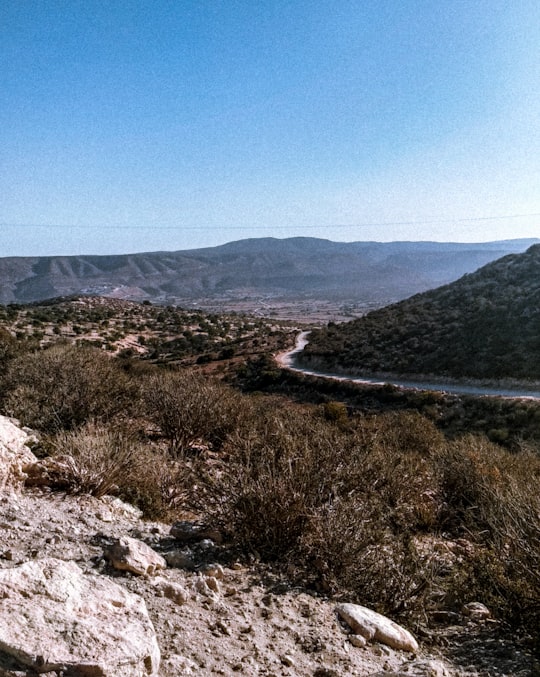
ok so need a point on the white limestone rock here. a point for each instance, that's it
(53, 617)
(15, 456)
(173, 591)
(120, 508)
(425, 668)
(128, 554)
(176, 665)
(376, 627)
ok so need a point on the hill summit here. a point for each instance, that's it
(485, 325)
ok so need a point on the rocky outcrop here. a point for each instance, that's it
(53, 617)
(64, 611)
(375, 627)
(15, 455)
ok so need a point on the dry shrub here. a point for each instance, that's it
(492, 496)
(293, 477)
(8, 346)
(403, 432)
(474, 473)
(64, 386)
(340, 508)
(398, 467)
(157, 485)
(99, 460)
(277, 475)
(96, 459)
(335, 412)
(191, 409)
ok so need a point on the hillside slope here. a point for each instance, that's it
(294, 267)
(485, 325)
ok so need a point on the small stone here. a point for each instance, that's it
(376, 627)
(128, 554)
(172, 591)
(212, 583)
(180, 559)
(215, 570)
(223, 628)
(201, 586)
(476, 611)
(358, 641)
(381, 650)
(287, 660)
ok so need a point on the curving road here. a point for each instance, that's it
(288, 361)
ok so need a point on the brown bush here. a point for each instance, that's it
(101, 459)
(276, 475)
(8, 346)
(157, 484)
(64, 386)
(341, 508)
(95, 459)
(191, 409)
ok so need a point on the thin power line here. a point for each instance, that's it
(381, 224)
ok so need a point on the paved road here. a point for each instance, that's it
(288, 360)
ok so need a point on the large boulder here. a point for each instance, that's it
(376, 627)
(53, 617)
(15, 456)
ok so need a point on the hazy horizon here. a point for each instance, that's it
(132, 127)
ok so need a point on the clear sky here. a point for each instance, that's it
(162, 125)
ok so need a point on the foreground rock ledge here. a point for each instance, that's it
(376, 627)
(15, 456)
(55, 617)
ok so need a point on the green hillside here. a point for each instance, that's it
(484, 325)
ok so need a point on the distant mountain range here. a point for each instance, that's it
(485, 325)
(290, 268)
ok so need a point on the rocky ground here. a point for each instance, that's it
(84, 577)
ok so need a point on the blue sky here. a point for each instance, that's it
(163, 125)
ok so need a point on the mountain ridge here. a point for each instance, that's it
(315, 267)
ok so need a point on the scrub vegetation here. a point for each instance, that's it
(381, 504)
(484, 326)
